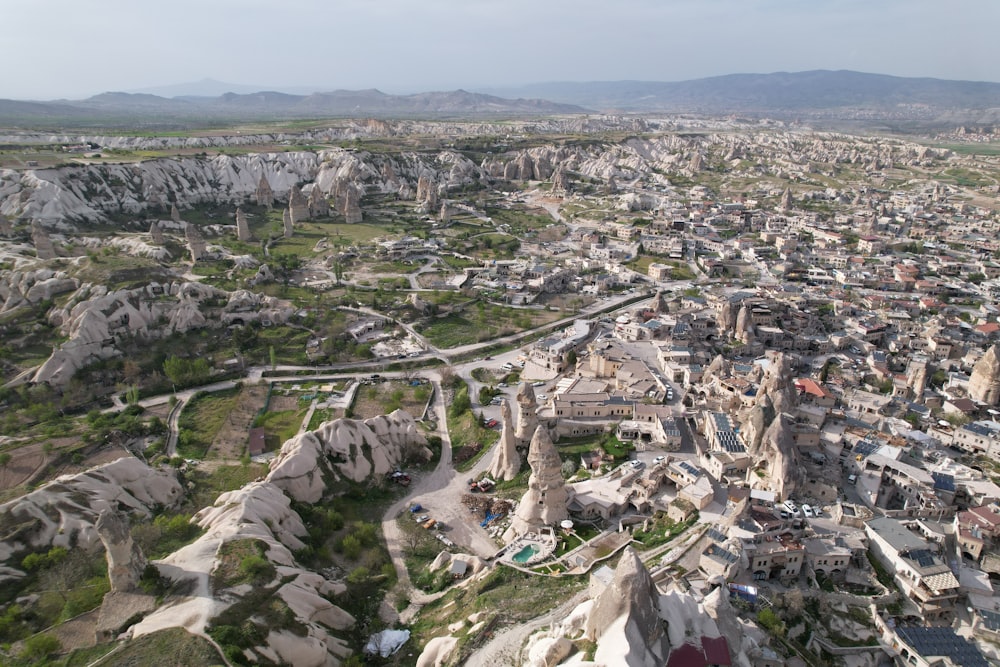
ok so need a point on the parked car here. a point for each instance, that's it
(807, 511)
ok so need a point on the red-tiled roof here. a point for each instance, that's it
(716, 650)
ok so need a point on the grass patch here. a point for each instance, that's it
(663, 530)
(208, 484)
(280, 426)
(482, 323)
(166, 648)
(201, 420)
(508, 596)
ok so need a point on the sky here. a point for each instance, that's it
(76, 48)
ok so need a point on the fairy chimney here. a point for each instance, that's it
(527, 414)
(286, 221)
(507, 462)
(43, 244)
(984, 383)
(264, 194)
(195, 241)
(156, 232)
(546, 500)
(242, 228)
(319, 207)
(298, 205)
(125, 559)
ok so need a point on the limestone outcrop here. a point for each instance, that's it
(125, 559)
(984, 383)
(346, 449)
(65, 512)
(506, 460)
(545, 502)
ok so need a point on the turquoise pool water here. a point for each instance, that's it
(525, 554)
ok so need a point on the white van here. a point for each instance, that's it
(851, 479)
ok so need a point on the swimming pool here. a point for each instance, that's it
(525, 554)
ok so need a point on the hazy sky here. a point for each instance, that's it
(76, 48)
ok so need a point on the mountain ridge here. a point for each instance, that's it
(816, 94)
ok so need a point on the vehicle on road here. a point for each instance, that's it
(807, 511)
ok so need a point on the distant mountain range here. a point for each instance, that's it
(818, 90)
(818, 94)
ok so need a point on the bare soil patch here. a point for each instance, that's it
(231, 441)
(382, 398)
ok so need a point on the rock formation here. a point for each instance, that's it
(427, 193)
(348, 449)
(175, 215)
(264, 195)
(64, 512)
(319, 207)
(506, 461)
(743, 331)
(696, 163)
(298, 205)
(93, 318)
(286, 221)
(125, 559)
(527, 414)
(628, 610)
(778, 384)
(6, 229)
(18, 288)
(351, 206)
(786, 201)
(984, 383)
(261, 513)
(560, 181)
(156, 233)
(195, 241)
(43, 244)
(545, 501)
(242, 228)
(445, 215)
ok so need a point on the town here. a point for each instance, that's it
(673, 391)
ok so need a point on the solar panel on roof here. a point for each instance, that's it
(939, 641)
(690, 468)
(943, 481)
(866, 447)
(715, 535)
(991, 619)
(923, 557)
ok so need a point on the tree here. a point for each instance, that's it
(274, 358)
(5, 458)
(39, 647)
